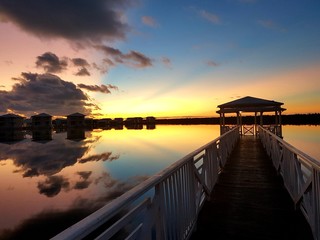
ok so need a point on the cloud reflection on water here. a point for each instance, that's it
(54, 220)
(45, 162)
(66, 179)
(33, 160)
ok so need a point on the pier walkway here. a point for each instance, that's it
(249, 201)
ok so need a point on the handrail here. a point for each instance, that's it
(301, 176)
(166, 205)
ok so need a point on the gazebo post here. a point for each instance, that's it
(222, 123)
(280, 124)
(280, 117)
(261, 119)
(223, 119)
(239, 121)
(255, 123)
(238, 118)
(241, 130)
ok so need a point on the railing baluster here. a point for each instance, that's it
(301, 176)
(316, 201)
(177, 196)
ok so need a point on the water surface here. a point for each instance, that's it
(304, 137)
(71, 174)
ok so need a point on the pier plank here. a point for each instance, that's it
(249, 201)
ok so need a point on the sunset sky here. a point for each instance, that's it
(121, 58)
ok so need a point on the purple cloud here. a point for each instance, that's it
(44, 93)
(95, 88)
(80, 21)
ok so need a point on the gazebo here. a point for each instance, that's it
(251, 105)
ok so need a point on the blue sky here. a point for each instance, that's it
(160, 58)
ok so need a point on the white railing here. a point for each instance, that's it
(301, 176)
(166, 205)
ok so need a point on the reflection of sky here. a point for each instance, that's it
(62, 175)
(305, 138)
(34, 159)
(147, 152)
(49, 175)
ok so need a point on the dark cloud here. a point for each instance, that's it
(51, 63)
(84, 174)
(44, 93)
(50, 221)
(137, 59)
(45, 161)
(110, 51)
(115, 188)
(166, 61)
(85, 21)
(212, 63)
(84, 182)
(107, 156)
(53, 185)
(83, 72)
(133, 58)
(82, 185)
(83, 66)
(109, 62)
(105, 66)
(51, 159)
(149, 21)
(105, 177)
(95, 88)
(80, 62)
(54, 221)
(101, 68)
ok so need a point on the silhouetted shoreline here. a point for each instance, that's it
(294, 119)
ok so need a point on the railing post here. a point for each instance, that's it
(316, 201)
(157, 209)
(301, 176)
(178, 194)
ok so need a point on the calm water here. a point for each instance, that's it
(67, 178)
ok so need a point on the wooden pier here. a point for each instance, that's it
(234, 187)
(249, 201)
(227, 189)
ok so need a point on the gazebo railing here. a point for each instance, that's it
(301, 176)
(166, 205)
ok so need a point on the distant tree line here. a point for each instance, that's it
(294, 119)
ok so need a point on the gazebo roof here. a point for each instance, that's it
(250, 104)
(42, 115)
(76, 115)
(10, 115)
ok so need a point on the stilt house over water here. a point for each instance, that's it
(42, 120)
(76, 120)
(11, 121)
